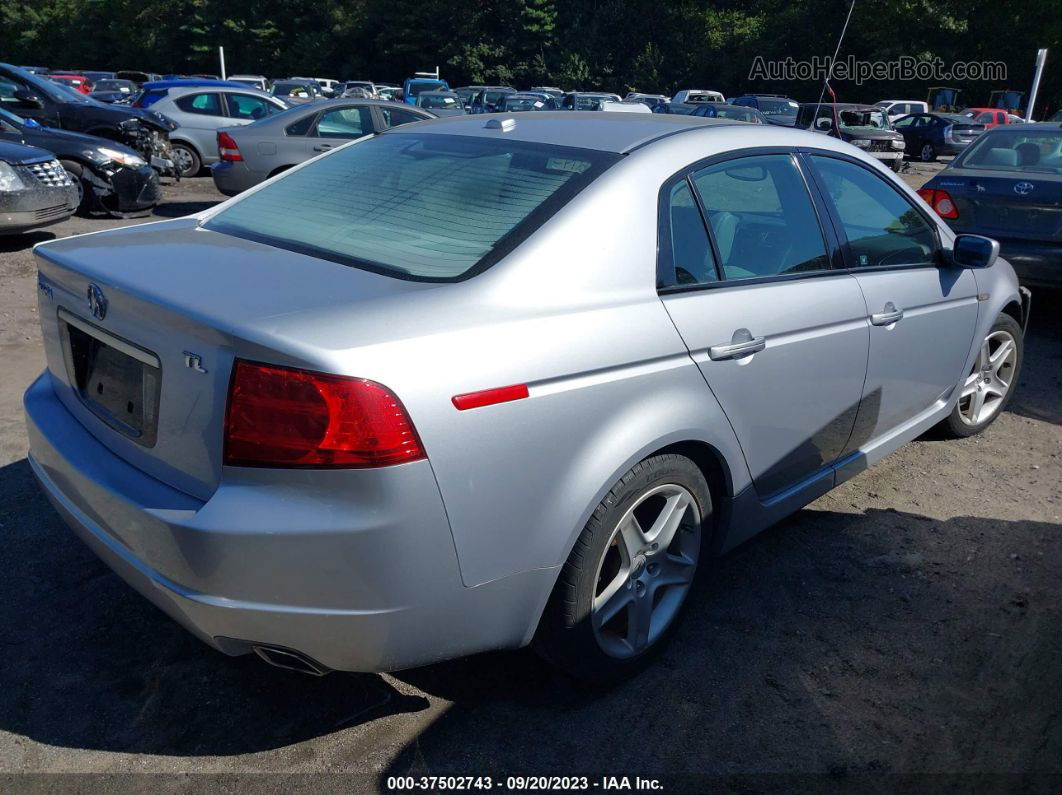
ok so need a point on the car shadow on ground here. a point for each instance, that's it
(792, 634)
(1039, 396)
(24, 240)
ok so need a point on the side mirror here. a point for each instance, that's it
(974, 251)
(28, 99)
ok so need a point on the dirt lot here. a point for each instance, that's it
(909, 623)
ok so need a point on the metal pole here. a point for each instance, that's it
(221, 55)
(1041, 58)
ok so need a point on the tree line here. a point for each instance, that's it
(656, 46)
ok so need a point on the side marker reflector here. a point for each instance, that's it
(488, 397)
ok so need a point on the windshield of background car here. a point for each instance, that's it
(1015, 150)
(125, 86)
(862, 119)
(414, 206)
(439, 102)
(778, 107)
(515, 102)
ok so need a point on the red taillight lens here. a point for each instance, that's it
(227, 148)
(281, 417)
(941, 202)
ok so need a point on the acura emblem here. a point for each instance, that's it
(1024, 188)
(97, 302)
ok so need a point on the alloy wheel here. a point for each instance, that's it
(646, 571)
(928, 153)
(987, 385)
(184, 160)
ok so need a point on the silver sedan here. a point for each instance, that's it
(252, 154)
(398, 405)
(201, 111)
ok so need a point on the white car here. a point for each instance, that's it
(697, 95)
(897, 108)
(632, 106)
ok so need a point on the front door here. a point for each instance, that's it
(780, 338)
(922, 312)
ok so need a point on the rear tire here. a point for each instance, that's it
(987, 389)
(622, 591)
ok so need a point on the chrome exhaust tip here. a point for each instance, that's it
(291, 659)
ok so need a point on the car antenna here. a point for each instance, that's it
(829, 74)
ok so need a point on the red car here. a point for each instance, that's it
(78, 82)
(989, 117)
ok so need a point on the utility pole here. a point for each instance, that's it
(1041, 59)
(221, 55)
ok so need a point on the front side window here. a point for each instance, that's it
(685, 257)
(248, 106)
(762, 217)
(423, 207)
(345, 123)
(882, 228)
(202, 104)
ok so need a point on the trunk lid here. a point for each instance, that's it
(1020, 205)
(180, 303)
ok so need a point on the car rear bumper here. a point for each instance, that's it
(363, 579)
(231, 178)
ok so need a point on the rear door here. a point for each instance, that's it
(780, 337)
(336, 126)
(922, 313)
(201, 116)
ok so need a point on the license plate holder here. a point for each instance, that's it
(117, 381)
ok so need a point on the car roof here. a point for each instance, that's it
(242, 88)
(155, 85)
(605, 132)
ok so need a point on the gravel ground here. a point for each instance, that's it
(906, 624)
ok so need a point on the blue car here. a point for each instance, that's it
(155, 90)
(415, 85)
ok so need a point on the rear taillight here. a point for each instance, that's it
(941, 202)
(282, 417)
(227, 148)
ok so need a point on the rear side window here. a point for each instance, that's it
(395, 117)
(204, 104)
(422, 207)
(344, 123)
(762, 217)
(882, 228)
(685, 253)
(302, 126)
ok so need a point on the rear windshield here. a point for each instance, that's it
(414, 206)
(1015, 150)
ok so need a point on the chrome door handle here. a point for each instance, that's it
(322, 147)
(733, 350)
(888, 317)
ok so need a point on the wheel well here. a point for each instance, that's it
(277, 170)
(1014, 310)
(716, 472)
(188, 145)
